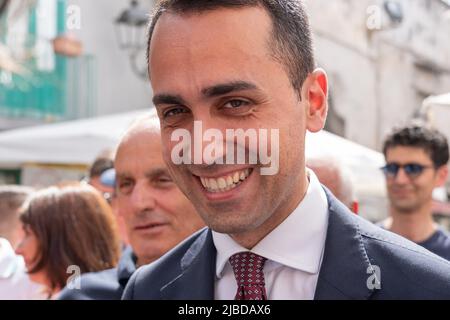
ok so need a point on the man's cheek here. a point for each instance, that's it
(167, 152)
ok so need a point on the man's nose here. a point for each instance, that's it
(143, 197)
(401, 177)
(201, 150)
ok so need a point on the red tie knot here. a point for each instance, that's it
(248, 270)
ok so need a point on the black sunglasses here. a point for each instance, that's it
(412, 170)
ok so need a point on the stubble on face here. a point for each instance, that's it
(184, 60)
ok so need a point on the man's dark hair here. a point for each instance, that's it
(102, 163)
(433, 142)
(291, 39)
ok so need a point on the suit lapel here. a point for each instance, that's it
(344, 270)
(343, 274)
(196, 281)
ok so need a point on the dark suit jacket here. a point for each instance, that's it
(354, 250)
(104, 285)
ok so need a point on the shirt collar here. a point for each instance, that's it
(298, 242)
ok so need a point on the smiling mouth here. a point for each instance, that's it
(401, 190)
(226, 182)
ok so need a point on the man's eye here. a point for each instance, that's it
(174, 111)
(164, 180)
(233, 104)
(125, 187)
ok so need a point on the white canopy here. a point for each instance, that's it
(80, 141)
(442, 100)
(364, 163)
(72, 142)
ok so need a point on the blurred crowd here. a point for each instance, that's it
(84, 240)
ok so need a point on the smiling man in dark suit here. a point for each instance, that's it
(249, 64)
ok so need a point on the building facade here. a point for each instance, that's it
(52, 86)
(383, 59)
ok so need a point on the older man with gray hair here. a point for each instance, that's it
(156, 214)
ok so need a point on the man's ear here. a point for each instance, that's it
(315, 95)
(441, 176)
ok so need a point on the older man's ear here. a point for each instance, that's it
(315, 95)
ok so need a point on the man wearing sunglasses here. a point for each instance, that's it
(416, 164)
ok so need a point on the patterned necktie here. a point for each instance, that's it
(248, 270)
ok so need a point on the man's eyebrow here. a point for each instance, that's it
(225, 88)
(156, 172)
(165, 98)
(123, 175)
(209, 92)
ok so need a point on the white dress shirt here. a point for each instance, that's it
(14, 281)
(293, 250)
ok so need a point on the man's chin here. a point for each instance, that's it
(227, 229)
(405, 208)
(233, 223)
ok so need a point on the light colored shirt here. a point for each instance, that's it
(14, 281)
(294, 251)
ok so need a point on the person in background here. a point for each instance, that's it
(108, 180)
(68, 231)
(14, 281)
(416, 163)
(101, 177)
(157, 215)
(101, 164)
(332, 173)
(12, 198)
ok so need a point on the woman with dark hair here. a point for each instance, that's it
(68, 231)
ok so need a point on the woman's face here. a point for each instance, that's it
(28, 247)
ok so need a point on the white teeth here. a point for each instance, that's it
(213, 184)
(225, 183)
(222, 183)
